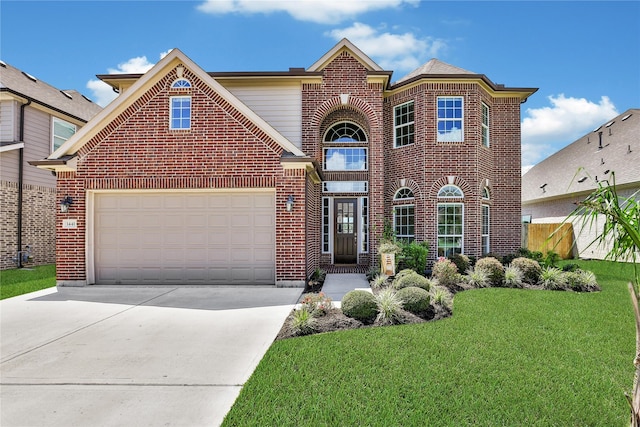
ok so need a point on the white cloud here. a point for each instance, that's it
(103, 93)
(398, 52)
(547, 129)
(320, 11)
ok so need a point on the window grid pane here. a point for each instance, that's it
(450, 119)
(485, 230)
(364, 220)
(341, 159)
(325, 224)
(485, 125)
(181, 112)
(404, 222)
(404, 125)
(345, 132)
(450, 229)
(62, 131)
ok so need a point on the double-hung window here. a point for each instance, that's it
(450, 119)
(485, 124)
(61, 131)
(450, 229)
(403, 125)
(485, 230)
(404, 215)
(180, 112)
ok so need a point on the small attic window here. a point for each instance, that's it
(66, 94)
(609, 124)
(30, 77)
(181, 84)
(626, 117)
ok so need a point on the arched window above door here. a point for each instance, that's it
(345, 132)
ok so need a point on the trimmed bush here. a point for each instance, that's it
(581, 281)
(414, 300)
(493, 269)
(446, 273)
(411, 279)
(529, 268)
(359, 305)
(461, 261)
(414, 256)
(389, 307)
(512, 277)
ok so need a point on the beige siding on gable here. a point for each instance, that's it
(280, 106)
(37, 146)
(8, 121)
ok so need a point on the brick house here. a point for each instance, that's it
(35, 119)
(262, 177)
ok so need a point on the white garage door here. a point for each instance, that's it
(185, 238)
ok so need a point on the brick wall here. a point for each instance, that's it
(38, 228)
(223, 149)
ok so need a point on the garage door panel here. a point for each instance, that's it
(185, 238)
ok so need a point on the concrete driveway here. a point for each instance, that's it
(143, 356)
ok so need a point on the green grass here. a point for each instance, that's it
(22, 281)
(507, 357)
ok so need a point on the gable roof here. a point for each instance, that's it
(336, 50)
(147, 80)
(612, 146)
(65, 102)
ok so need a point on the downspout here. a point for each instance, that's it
(20, 181)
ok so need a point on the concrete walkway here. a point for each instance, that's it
(337, 285)
(124, 356)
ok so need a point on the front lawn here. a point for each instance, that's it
(506, 357)
(22, 281)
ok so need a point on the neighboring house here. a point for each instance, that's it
(551, 189)
(191, 177)
(35, 119)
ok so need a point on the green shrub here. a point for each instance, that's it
(446, 273)
(414, 300)
(529, 268)
(551, 259)
(372, 273)
(477, 278)
(441, 296)
(552, 278)
(581, 281)
(462, 262)
(513, 277)
(359, 305)
(303, 322)
(411, 278)
(389, 307)
(493, 269)
(414, 256)
(571, 267)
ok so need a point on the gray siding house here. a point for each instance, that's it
(551, 189)
(35, 119)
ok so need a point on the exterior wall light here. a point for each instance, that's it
(65, 203)
(289, 203)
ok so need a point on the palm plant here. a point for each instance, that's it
(622, 230)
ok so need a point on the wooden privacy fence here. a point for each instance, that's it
(535, 238)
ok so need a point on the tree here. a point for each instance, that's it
(622, 231)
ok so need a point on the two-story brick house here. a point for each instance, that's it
(191, 177)
(35, 119)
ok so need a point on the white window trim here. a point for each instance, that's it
(402, 236)
(396, 198)
(364, 227)
(450, 235)
(324, 137)
(171, 98)
(181, 79)
(488, 234)
(53, 133)
(485, 126)
(395, 140)
(324, 159)
(438, 119)
(329, 250)
(451, 197)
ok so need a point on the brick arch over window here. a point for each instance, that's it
(354, 103)
(408, 183)
(448, 180)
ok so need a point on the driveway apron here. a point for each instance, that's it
(113, 356)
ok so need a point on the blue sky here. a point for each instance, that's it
(584, 56)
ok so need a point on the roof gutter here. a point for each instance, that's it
(44, 104)
(20, 182)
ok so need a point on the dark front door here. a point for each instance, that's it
(346, 231)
